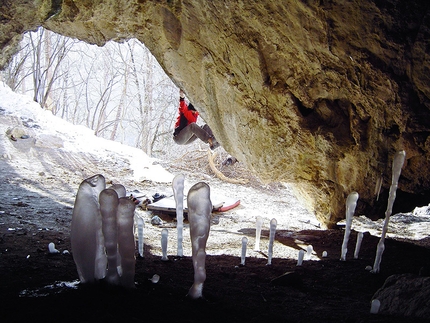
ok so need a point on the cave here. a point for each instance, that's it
(317, 93)
(338, 86)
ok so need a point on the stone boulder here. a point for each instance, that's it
(405, 295)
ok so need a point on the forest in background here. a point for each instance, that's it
(118, 90)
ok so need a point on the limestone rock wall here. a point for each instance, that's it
(318, 93)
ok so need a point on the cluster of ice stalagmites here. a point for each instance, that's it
(102, 235)
(103, 241)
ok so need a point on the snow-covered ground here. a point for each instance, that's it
(49, 157)
(76, 138)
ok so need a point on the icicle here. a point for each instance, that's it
(301, 256)
(199, 214)
(140, 227)
(243, 256)
(126, 244)
(351, 203)
(399, 159)
(178, 192)
(258, 225)
(109, 208)
(164, 235)
(358, 244)
(86, 231)
(272, 233)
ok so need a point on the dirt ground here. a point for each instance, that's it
(37, 197)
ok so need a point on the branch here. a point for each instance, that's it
(220, 175)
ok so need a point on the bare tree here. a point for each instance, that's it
(118, 90)
(48, 50)
(14, 73)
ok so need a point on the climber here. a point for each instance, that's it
(186, 129)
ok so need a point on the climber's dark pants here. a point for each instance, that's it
(191, 133)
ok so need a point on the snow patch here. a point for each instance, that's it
(77, 138)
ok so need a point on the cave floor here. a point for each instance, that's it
(36, 207)
(42, 286)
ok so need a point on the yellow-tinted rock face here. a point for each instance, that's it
(318, 93)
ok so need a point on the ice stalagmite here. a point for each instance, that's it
(273, 224)
(199, 215)
(309, 250)
(119, 189)
(351, 203)
(178, 192)
(108, 208)
(52, 249)
(164, 235)
(155, 279)
(300, 257)
(378, 186)
(140, 227)
(258, 225)
(86, 231)
(399, 159)
(126, 245)
(374, 307)
(243, 255)
(358, 244)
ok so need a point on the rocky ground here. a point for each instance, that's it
(37, 190)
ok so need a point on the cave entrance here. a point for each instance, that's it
(122, 93)
(118, 90)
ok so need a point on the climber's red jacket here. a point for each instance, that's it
(187, 115)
